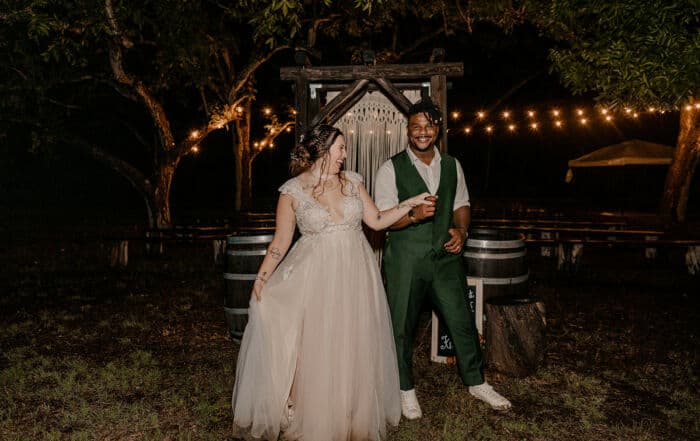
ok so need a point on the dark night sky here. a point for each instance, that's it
(528, 165)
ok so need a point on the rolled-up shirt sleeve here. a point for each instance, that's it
(461, 193)
(386, 195)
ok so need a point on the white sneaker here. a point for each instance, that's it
(485, 393)
(409, 405)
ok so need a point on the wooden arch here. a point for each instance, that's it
(358, 79)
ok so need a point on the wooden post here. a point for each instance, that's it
(301, 103)
(650, 252)
(119, 253)
(692, 260)
(219, 246)
(438, 93)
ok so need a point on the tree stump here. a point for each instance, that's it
(515, 335)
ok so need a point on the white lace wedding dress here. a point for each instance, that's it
(321, 333)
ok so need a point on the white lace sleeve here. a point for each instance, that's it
(291, 187)
(354, 177)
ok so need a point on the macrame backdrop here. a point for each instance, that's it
(374, 131)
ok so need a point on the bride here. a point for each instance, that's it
(317, 361)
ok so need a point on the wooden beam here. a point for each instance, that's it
(400, 101)
(340, 101)
(345, 108)
(438, 93)
(360, 72)
(301, 103)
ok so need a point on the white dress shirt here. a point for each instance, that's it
(386, 195)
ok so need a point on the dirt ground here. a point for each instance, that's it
(142, 352)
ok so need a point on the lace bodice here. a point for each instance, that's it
(314, 218)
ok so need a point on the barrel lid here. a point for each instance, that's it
(495, 239)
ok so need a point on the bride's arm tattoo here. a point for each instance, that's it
(275, 253)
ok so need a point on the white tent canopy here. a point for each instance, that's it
(632, 152)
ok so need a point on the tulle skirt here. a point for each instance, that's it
(319, 347)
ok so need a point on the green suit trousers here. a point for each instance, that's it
(442, 278)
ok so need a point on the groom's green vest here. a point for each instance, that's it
(428, 237)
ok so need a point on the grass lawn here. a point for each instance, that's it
(142, 353)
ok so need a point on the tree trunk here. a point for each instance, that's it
(685, 159)
(244, 159)
(162, 218)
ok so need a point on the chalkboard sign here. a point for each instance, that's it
(441, 347)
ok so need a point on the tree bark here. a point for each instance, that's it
(515, 335)
(244, 158)
(162, 218)
(685, 159)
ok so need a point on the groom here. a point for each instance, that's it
(422, 256)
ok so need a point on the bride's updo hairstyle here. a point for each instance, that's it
(313, 145)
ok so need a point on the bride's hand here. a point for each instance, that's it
(424, 198)
(257, 289)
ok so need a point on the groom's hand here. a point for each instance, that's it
(425, 211)
(456, 242)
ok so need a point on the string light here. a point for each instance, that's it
(195, 149)
(608, 117)
(267, 111)
(579, 112)
(506, 114)
(455, 115)
(481, 114)
(558, 123)
(194, 134)
(467, 130)
(489, 129)
(511, 127)
(556, 112)
(533, 126)
(239, 109)
(584, 121)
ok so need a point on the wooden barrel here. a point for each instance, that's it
(498, 259)
(244, 254)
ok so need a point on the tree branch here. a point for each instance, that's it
(249, 70)
(116, 61)
(133, 175)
